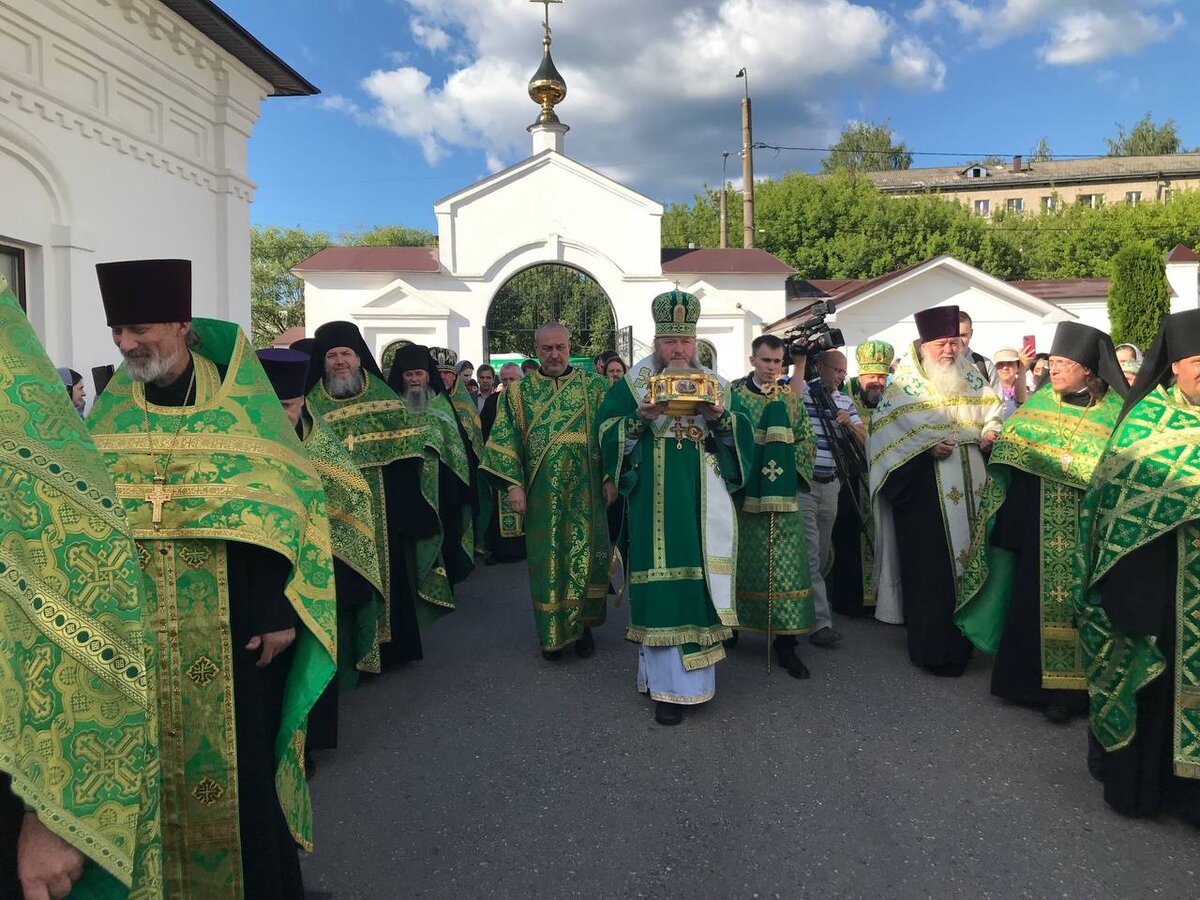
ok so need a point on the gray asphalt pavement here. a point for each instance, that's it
(485, 771)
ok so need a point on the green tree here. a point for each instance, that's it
(1138, 296)
(1145, 139)
(1041, 153)
(550, 293)
(390, 236)
(276, 295)
(864, 147)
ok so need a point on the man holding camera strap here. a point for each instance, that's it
(820, 504)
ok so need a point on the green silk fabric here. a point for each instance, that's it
(1059, 444)
(1146, 486)
(235, 471)
(77, 677)
(376, 430)
(442, 445)
(352, 518)
(468, 418)
(544, 441)
(662, 476)
(773, 588)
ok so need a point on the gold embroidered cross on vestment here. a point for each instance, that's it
(772, 471)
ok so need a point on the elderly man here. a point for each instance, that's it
(442, 560)
(357, 579)
(681, 550)
(820, 503)
(542, 453)
(926, 475)
(774, 594)
(67, 823)
(233, 537)
(851, 580)
(1025, 578)
(504, 530)
(347, 390)
(1140, 626)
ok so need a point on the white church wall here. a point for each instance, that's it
(123, 134)
(1184, 278)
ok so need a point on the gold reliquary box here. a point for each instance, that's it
(683, 389)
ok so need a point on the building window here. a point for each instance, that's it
(976, 172)
(12, 269)
(983, 207)
(1014, 205)
(1049, 204)
(1095, 201)
(1133, 198)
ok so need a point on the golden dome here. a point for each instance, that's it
(546, 87)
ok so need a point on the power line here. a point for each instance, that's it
(759, 145)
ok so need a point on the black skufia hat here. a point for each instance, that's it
(287, 371)
(937, 323)
(408, 358)
(1092, 349)
(339, 334)
(1178, 338)
(146, 291)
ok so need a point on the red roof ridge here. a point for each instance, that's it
(1182, 253)
(722, 261)
(372, 259)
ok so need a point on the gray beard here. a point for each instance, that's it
(147, 370)
(416, 399)
(660, 362)
(343, 386)
(947, 381)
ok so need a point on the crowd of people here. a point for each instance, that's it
(230, 540)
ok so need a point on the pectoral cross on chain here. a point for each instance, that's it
(348, 443)
(680, 431)
(156, 497)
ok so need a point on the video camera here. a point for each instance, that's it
(814, 335)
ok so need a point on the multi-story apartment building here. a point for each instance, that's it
(1033, 187)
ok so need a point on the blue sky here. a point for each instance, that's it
(423, 97)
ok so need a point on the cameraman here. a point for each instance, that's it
(820, 505)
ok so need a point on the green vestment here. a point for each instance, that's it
(352, 518)
(468, 417)
(433, 575)
(774, 594)
(376, 430)
(234, 471)
(1060, 445)
(77, 685)
(544, 441)
(677, 472)
(1146, 486)
(866, 543)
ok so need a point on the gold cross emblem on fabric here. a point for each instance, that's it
(1060, 595)
(772, 471)
(1060, 544)
(348, 443)
(683, 433)
(156, 497)
(954, 495)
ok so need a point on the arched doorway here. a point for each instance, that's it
(389, 355)
(552, 292)
(707, 354)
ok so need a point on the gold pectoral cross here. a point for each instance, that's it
(156, 497)
(1065, 460)
(348, 443)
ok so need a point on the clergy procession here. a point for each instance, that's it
(199, 572)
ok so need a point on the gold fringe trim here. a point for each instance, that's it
(705, 636)
(1064, 682)
(770, 504)
(703, 659)
(694, 700)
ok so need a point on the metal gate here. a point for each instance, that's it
(551, 292)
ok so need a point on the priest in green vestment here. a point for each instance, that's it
(851, 580)
(439, 562)
(926, 474)
(676, 473)
(233, 539)
(357, 582)
(1025, 577)
(773, 591)
(542, 453)
(445, 361)
(1140, 623)
(348, 392)
(79, 776)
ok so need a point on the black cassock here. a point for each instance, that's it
(352, 592)
(1017, 670)
(409, 518)
(1138, 593)
(845, 581)
(926, 569)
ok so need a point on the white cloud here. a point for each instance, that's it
(1077, 31)
(651, 90)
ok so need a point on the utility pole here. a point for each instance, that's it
(724, 202)
(747, 167)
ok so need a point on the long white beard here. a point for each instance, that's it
(661, 363)
(946, 380)
(149, 369)
(343, 386)
(416, 399)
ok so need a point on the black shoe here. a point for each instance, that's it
(552, 655)
(668, 713)
(825, 637)
(731, 642)
(793, 665)
(1058, 713)
(586, 645)
(948, 670)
